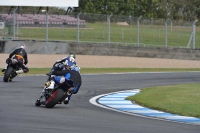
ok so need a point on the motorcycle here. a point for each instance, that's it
(10, 72)
(60, 92)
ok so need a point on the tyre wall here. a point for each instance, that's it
(34, 47)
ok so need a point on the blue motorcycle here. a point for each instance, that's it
(61, 91)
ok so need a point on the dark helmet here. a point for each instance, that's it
(72, 55)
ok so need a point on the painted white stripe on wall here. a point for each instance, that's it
(181, 117)
(116, 102)
(144, 111)
(125, 106)
(118, 98)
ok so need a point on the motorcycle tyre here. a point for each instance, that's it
(55, 98)
(7, 74)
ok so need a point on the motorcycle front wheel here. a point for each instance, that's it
(54, 98)
(7, 75)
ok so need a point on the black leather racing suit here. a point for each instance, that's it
(74, 76)
(21, 56)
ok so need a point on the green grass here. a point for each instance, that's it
(98, 32)
(43, 71)
(180, 99)
(115, 70)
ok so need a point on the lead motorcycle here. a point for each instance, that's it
(10, 72)
(60, 92)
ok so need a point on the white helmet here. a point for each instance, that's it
(72, 55)
(23, 46)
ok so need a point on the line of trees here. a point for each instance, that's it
(176, 9)
(188, 10)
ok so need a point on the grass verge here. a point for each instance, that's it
(180, 99)
(115, 70)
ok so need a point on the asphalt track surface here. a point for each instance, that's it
(18, 113)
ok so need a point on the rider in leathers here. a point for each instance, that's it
(21, 56)
(65, 63)
(60, 77)
(73, 74)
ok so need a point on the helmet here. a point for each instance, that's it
(72, 55)
(23, 46)
(76, 68)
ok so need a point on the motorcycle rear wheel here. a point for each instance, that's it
(54, 98)
(7, 74)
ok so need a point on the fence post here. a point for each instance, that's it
(122, 33)
(166, 33)
(14, 21)
(78, 27)
(47, 22)
(108, 19)
(193, 35)
(138, 30)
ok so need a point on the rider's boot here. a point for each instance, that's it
(51, 86)
(66, 101)
(19, 71)
(37, 102)
(3, 70)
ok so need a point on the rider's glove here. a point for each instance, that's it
(52, 76)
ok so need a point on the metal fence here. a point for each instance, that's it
(98, 28)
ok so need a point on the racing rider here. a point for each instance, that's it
(65, 63)
(66, 75)
(21, 56)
